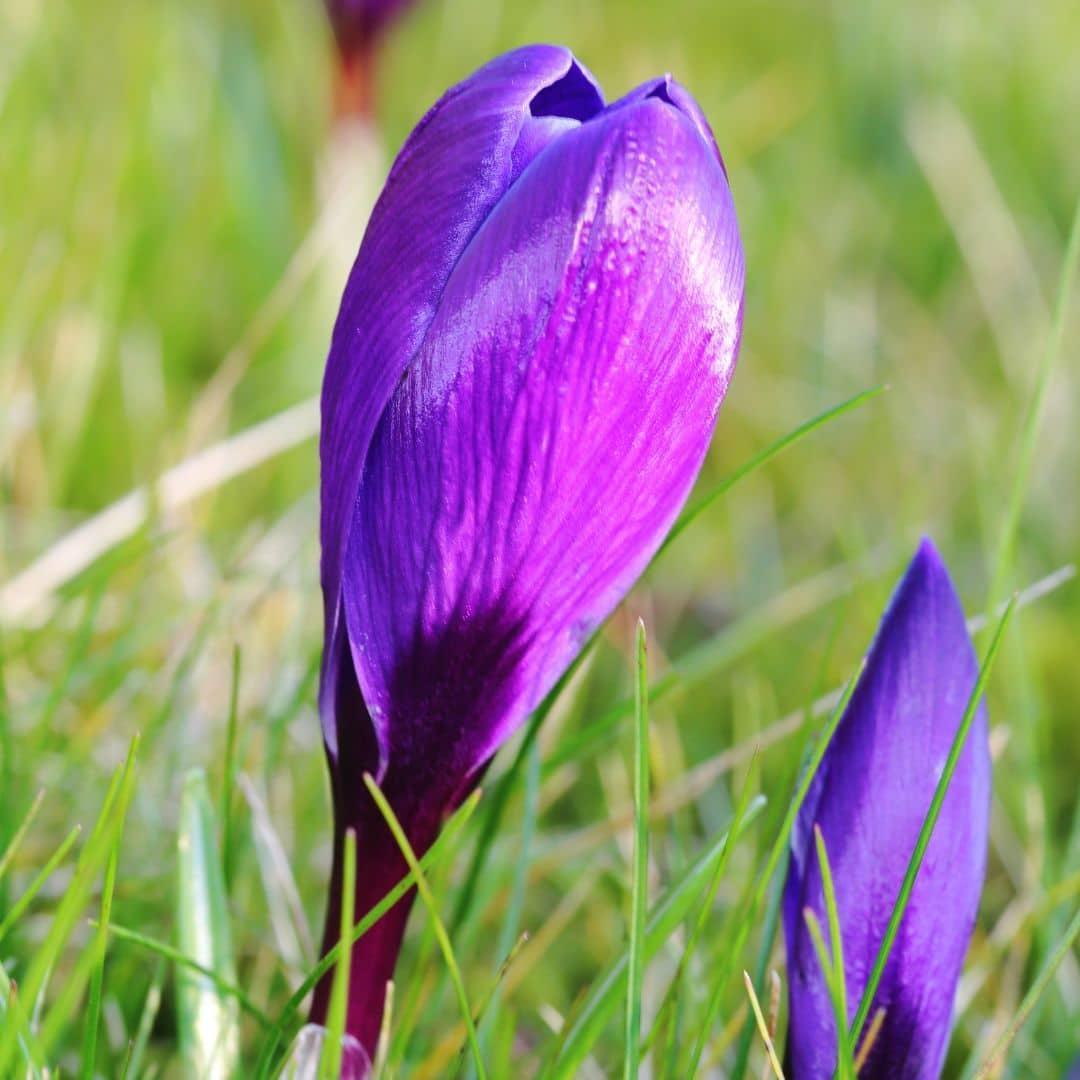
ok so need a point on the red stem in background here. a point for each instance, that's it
(354, 83)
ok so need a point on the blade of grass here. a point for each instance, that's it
(777, 852)
(91, 859)
(228, 782)
(807, 427)
(151, 1004)
(639, 897)
(93, 1005)
(771, 922)
(828, 972)
(180, 959)
(24, 1038)
(762, 1027)
(506, 786)
(928, 824)
(330, 1058)
(872, 1032)
(424, 889)
(1031, 998)
(846, 1065)
(438, 851)
(584, 1027)
(510, 938)
(1029, 431)
(207, 1019)
(43, 875)
(704, 911)
(700, 664)
(20, 833)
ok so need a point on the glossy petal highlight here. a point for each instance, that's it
(539, 448)
(869, 798)
(453, 169)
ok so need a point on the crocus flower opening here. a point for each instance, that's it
(869, 798)
(523, 382)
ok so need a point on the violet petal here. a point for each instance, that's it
(869, 798)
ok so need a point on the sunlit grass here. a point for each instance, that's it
(161, 167)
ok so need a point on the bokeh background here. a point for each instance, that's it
(905, 175)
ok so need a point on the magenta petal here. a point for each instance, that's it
(869, 798)
(451, 172)
(540, 446)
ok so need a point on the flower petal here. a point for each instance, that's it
(869, 798)
(540, 446)
(451, 172)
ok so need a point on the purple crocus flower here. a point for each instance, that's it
(869, 799)
(524, 378)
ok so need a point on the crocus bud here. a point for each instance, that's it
(523, 381)
(869, 798)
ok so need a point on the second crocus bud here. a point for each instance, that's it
(869, 799)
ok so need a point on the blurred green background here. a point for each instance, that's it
(905, 176)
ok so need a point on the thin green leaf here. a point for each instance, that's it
(581, 1032)
(424, 889)
(228, 782)
(707, 904)
(207, 1019)
(330, 1058)
(101, 940)
(1029, 432)
(1038, 987)
(151, 1004)
(778, 851)
(846, 1065)
(103, 837)
(828, 972)
(180, 959)
(43, 875)
(20, 833)
(807, 427)
(639, 899)
(442, 847)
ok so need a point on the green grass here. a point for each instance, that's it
(906, 180)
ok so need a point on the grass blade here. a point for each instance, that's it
(101, 842)
(581, 1032)
(699, 506)
(434, 856)
(43, 875)
(330, 1058)
(777, 852)
(207, 1019)
(20, 833)
(1030, 431)
(993, 1059)
(428, 897)
(762, 1027)
(228, 782)
(640, 890)
(101, 940)
(846, 1066)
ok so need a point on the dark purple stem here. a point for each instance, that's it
(379, 867)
